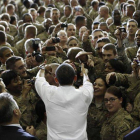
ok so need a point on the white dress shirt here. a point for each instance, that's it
(66, 109)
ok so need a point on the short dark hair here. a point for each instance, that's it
(103, 39)
(117, 91)
(65, 74)
(2, 49)
(117, 65)
(7, 105)
(8, 76)
(79, 19)
(110, 46)
(2, 37)
(10, 62)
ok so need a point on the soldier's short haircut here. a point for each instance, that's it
(41, 9)
(31, 10)
(67, 6)
(131, 7)
(110, 46)
(5, 16)
(10, 62)
(9, 7)
(55, 9)
(7, 105)
(103, 24)
(2, 49)
(94, 2)
(97, 30)
(31, 30)
(8, 76)
(2, 37)
(2, 28)
(26, 15)
(133, 20)
(95, 23)
(103, 39)
(65, 74)
(79, 19)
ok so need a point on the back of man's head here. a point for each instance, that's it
(65, 74)
(7, 105)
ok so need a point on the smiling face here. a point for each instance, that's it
(112, 102)
(99, 87)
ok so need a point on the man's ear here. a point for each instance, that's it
(16, 112)
(75, 78)
(56, 80)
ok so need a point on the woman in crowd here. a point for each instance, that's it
(114, 65)
(119, 122)
(97, 111)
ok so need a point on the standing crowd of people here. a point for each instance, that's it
(85, 55)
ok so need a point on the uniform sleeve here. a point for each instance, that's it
(123, 130)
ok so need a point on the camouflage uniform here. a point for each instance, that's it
(125, 19)
(51, 59)
(112, 29)
(93, 14)
(117, 126)
(43, 36)
(13, 30)
(131, 84)
(10, 40)
(136, 111)
(127, 43)
(63, 18)
(95, 118)
(112, 39)
(12, 48)
(41, 131)
(20, 47)
(110, 6)
(26, 106)
(40, 19)
(40, 28)
(131, 52)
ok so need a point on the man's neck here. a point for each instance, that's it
(131, 37)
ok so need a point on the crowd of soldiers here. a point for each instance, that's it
(102, 34)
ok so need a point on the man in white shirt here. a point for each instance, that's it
(66, 107)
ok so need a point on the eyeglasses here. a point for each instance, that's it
(111, 100)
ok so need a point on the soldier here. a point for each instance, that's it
(71, 30)
(3, 42)
(67, 12)
(131, 52)
(119, 122)
(131, 29)
(99, 45)
(93, 13)
(5, 53)
(22, 95)
(12, 28)
(44, 35)
(116, 16)
(41, 17)
(97, 111)
(30, 32)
